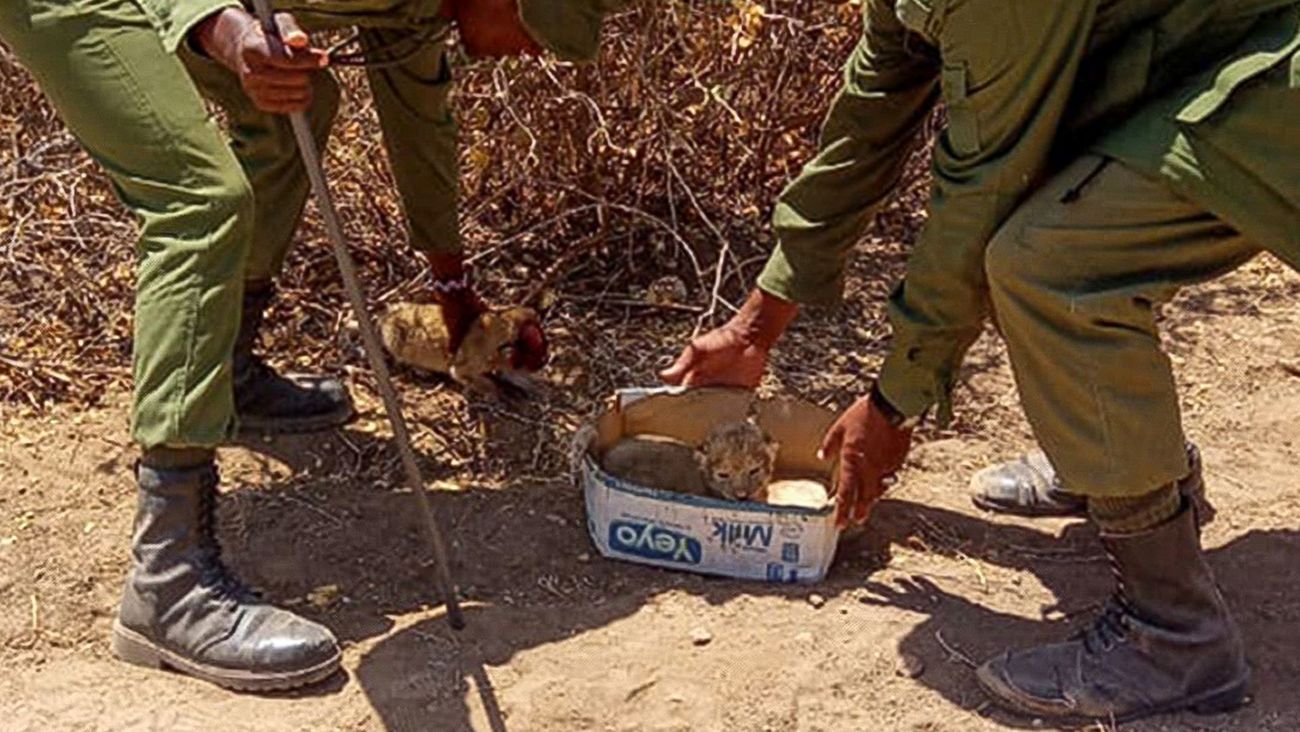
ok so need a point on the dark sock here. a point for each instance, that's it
(177, 458)
(1133, 514)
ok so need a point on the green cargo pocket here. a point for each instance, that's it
(963, 120)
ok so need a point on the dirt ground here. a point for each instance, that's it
(560, 639)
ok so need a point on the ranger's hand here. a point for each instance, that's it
(453, 291)
(278, 84)
(530, 351)
(870, 451)
(735, 354)
(459, 311)
(491, 28)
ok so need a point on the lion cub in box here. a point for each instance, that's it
(734, 462)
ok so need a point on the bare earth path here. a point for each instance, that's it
(562, 640)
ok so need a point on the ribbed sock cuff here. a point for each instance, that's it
(1135, 514)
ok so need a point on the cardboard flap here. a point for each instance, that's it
(799, 427)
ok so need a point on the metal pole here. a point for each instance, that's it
(370, 339)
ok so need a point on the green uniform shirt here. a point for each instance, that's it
(1026, 85)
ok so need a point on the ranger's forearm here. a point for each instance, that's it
(889, 91)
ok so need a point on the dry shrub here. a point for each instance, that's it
(581, 182)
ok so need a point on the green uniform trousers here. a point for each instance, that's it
(1075, 276)
(134, 108)
(419, 133)
(1077, 271)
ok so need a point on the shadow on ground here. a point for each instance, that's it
(341, 518)
(1255, 570)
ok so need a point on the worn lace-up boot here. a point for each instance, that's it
(1164, 643)
(183, 609)
(267, 402)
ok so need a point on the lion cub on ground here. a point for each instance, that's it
(415, 336)
(734, 462)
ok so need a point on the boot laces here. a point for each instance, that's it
(214, 573)
(1111, 628)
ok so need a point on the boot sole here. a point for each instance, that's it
(259, 426)
(135, 649)
(985, 504)
(1220, 700)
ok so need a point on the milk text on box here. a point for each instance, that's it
(737, 535)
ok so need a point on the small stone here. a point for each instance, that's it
(816, 601)
(909, 666)
(584, 557)
(805, 639)
(701, 637)
(324, 596)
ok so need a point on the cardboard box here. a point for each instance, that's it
(743, 540)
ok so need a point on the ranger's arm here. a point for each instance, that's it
(890, 87)
(1008, 71)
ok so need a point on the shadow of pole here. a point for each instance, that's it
(487, 696)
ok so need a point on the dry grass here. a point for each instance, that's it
(582, 185)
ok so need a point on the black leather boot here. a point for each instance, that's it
(1164, 643)
(267, 402)
(1029, 486)
(183, 609)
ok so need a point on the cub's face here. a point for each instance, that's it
(737, 460)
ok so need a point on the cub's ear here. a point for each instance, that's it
(702, 458)
(773, 447)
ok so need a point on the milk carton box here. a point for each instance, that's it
(743, 540)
